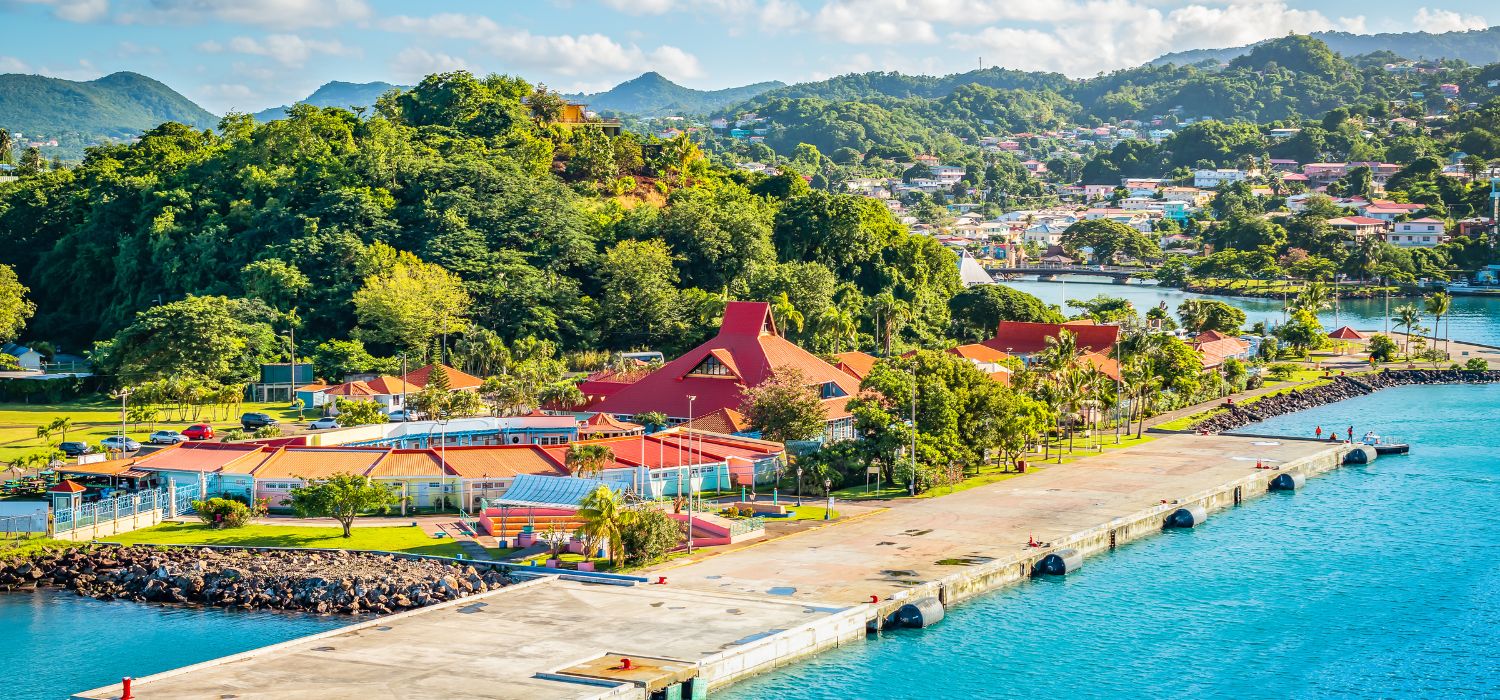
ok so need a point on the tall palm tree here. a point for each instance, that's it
(783, 310)
(1438, 305)
(1408, 316)
(1062, 351)
(890, 313)
(1314, 297)
(838, 328)
(588, 460)
(7, 143)
(605, 518)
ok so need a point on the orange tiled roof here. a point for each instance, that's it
(606, 423)
(1104, 363)
(725, 421)
(200, 456)
(317, 463)
(979, 353)
(856, 363)
(502, 461)
(456, 379)
(409, 463)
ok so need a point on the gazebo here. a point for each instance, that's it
(1344, 334)
(66, 494)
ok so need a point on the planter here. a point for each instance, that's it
(553, 563)
(585, 566)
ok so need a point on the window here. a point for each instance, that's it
(831, 390)
(712, 367)
(551, 440)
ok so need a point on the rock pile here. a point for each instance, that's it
(323, 582)
(1240, 415)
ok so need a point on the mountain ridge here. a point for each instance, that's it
(115, 107)
(651, 94)
(1475, 46)
(335, 93)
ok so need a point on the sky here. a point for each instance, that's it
(247, 55)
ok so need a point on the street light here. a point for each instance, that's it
(691, 398)
(828, 489)
(799, 485)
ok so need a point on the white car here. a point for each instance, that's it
(324, 423)
(167, 437)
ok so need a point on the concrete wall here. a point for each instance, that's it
(107, 528)
(762, 655)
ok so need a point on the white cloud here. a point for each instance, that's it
(289, 50)
(782, 14)
(447, 25)
(11, 64)
(75, 10)
(415, 63)
(272, 14)
(641, 7)
(1438, 21)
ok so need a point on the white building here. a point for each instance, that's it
(1417, 233)
(1221, 176)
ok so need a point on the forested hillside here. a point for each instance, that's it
(451, 212)
(78, 114)
(334, 94)
(1292, 78)
(651, 94)
(1478, 46)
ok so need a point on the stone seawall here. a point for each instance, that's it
(326, 582)
(1237, 416)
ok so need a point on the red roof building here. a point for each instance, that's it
(745, 353)
(603, 425)
(456, 380)
(855, 363)
(1023, 338)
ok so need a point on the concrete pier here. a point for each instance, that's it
(766, 605)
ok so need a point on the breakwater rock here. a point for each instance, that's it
(1344, 387)
(322, 582)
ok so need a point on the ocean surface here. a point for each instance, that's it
(1379, 581)
(56, 642)
(1474, 319)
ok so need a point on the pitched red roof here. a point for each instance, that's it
(1023, 338)
(725, 420)
(1346, 333)
(979, 353)
(606, 423)
(67, 486)
(456, 379)
(748, 338)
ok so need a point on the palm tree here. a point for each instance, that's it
(6, 145)
(1438, 304)
(838, 328)
(782, 308)
(1314, 297)
(1062, 351)
(890, 313)
(588, 460)
(1408, 316)
(605, 518)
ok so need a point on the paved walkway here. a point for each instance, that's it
(926, 539)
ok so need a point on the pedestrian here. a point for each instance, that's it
(1318, 433)
(1351, 433)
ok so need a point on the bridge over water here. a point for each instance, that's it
(1120, 274)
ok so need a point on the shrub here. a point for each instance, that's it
(1282, 371)
(1477, 364)
(268, 431)
(1382, 348)
(650, 535)
(1255, 382)
(232, 435)
(221, 513)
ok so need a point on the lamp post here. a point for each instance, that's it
(828, 489)
(799, 484)
(691, 398)
(912, 482)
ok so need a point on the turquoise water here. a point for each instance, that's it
(57, 643)
(1471, 318)
(1372, 582)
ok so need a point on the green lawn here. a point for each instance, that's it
(97, 418)
(860, 493)
(390, 539)
(808, 512)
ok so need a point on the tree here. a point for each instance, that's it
(1408, 316)
(1382, 348)
(1302, 332)
(213, 338)
(1107, 240)
(638, 304)
(588, 460)
(978, 310)
(605, 520)
(335, 359)
(275, 282)
(31, 162)
(1438, 304)
(649, 534)
(7, 145)
(652, 421)
(15, 308)
(409, 303)
(784, 407)
(58, 426)
(782, 308)
(352, 413)
(342, 497)
(1203, 315)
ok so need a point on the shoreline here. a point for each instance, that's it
(1343, 387)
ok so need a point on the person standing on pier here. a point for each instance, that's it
(1318, 432)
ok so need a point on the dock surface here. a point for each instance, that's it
(755, 608)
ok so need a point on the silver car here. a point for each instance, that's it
(324, 423)
(166, 437)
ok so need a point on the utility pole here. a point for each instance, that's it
(405, 412)
(691, 398)
(912, 482)
(291, 333)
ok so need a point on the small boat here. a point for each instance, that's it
(1384, 448)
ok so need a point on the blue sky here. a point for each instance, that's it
(252, 54)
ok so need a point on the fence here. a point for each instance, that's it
(740, 527)
(141, 508)
(14, 526)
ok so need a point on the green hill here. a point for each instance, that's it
(115, 107)
(1478, 46)
(334, 94)
(652, 95)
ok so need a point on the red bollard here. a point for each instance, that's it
(625, 664)
(125, 694)
(661, 580)
(874, 599)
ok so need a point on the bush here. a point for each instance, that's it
(1255, 382)
(1382, 348)
(650, 535)
(1282, 371)
(222, 513)
(232, 435)
(267, 431)
(1477, 364)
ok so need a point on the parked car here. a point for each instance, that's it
(74, 448)
(324, 423)
(166, 437)
(251, 421)
(200, 431)
(116, 443)
(400, 416)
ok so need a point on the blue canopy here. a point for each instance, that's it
(531, 490)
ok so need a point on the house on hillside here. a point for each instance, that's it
(28, 358)
(1418, 233)
(457, 381)
(1214, 347)
(714, 375)
(1025, 340)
